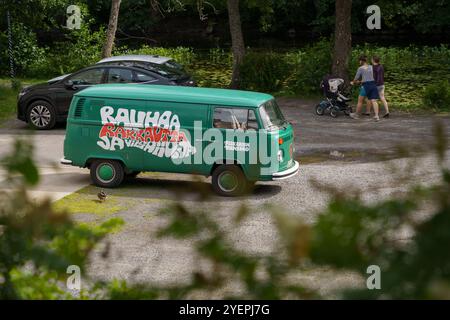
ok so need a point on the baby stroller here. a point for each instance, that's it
(335, 101)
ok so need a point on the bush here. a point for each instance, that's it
(83, 49)
(310, 66)
(25, 50)
(437, 96)
(182, 55)
(263, 71)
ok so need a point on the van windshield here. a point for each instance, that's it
(271, 115)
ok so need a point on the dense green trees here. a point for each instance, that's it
(44, 47)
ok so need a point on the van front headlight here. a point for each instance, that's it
(280, 155)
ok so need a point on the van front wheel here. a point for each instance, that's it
(229, 180)
(107, 173)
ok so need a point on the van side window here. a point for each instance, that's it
(234, 118)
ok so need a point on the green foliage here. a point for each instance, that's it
(16, 84)
(182, 55)
(8, 102)
(213, 68)
(26, 50)
(20, 162)
(264, 71)
(37, 244)
(83, 49)
(310, 65)
(408, 71)
(437, 95)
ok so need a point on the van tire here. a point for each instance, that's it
(229, 180)
(41, 115)
(107, 173)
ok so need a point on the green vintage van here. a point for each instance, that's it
(236, 137)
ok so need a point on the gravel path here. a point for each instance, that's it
(137, 255)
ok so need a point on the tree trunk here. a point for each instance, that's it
(237, 41)
(112, 27)
(342, 39)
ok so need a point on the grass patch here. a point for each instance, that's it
(84, 201)
(8, 96)
(8, 102)
(6, 82)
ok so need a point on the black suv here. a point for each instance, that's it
(43, 105)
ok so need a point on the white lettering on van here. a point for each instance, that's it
(152, 132)
(106, 114)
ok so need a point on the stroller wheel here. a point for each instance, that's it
(334, 112)
(319, 110)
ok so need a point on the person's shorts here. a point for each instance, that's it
(380, 89)
(371, 90)
(362, 92)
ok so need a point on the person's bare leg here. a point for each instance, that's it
(358, 111)
(375, 109)
(383, 99)
(368, 106)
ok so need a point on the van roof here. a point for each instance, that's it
(177, 94)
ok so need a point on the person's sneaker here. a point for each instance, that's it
(376, 118)
(386, 115)
(354, 115)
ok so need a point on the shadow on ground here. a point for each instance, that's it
(196, 189)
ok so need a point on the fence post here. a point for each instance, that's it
(10, 46)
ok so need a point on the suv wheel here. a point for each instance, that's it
(107, 173)
(41, 115)
(229, 180)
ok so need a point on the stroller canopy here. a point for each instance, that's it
(331, 84)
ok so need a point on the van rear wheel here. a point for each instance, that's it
(229, 180)
(107, 173)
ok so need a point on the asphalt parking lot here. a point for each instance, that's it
(341, 152)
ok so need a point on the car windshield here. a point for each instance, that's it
(271, 115)
(162, 69)
(174, 65)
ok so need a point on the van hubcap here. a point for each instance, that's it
(40, 116)
(228, 181)
(105, 173)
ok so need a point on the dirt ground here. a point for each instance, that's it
(364, 140)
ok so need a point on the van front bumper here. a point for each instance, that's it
(292, 171)
(65, 161)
